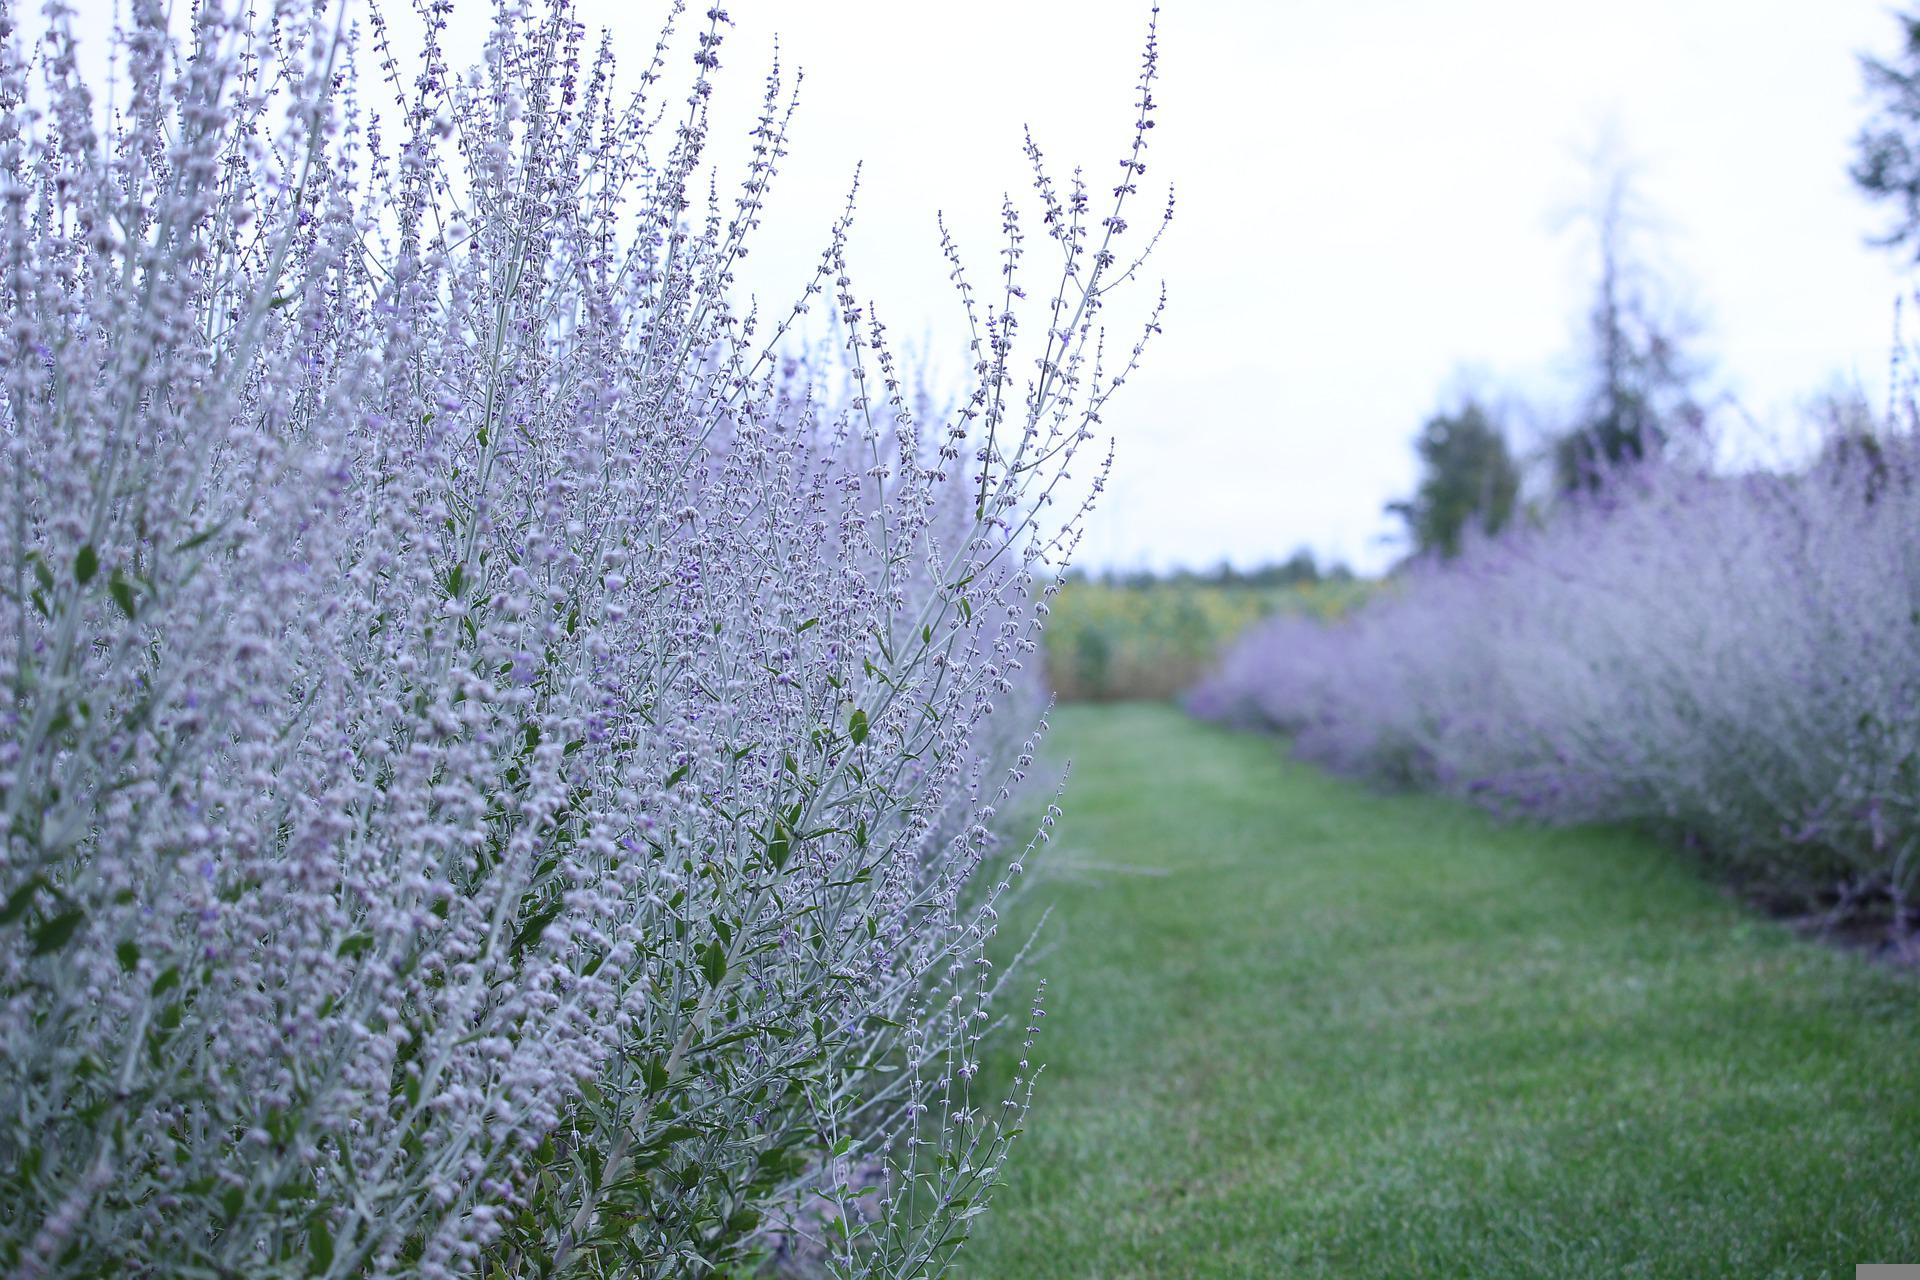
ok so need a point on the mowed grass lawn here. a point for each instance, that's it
(1299, 1029)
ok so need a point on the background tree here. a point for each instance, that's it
(1640, 379)
(1887, 150)
(1468, 480)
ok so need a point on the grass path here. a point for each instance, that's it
(1297, 1029)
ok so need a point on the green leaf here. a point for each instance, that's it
(166, 982)
(319, 1244)
(354, 944)
(535, 926)
(677, 774)
(53, 934)
(128, 953)
(20, 899)
(199, 539)
(122, 593)
(713, 962)
(278, 302)
(86, 564)
(857, 726)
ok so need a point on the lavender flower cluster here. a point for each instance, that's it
(500, 763)
(1733, 659)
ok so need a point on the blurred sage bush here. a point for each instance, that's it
(1732, 659)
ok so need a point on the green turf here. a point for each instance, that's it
(1299, 1029)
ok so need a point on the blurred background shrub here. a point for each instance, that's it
(1142, 635)
(1733, 659)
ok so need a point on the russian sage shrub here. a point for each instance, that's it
(499, 761)
(1733, 659)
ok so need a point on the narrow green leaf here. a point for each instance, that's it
(536, 925)
(53, 934)
(122, 593)
(20, 899)
(857, 726)
(86, 564)
(319, 1245)
(199, 539)
(713, 962)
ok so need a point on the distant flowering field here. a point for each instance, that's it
(1734, 659)
(501, 765)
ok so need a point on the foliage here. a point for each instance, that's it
(1152, 638)
(496, 761)
(1640, 379)
(1733, 659)
(1392, 1038)
(1886, 164)
(1469, 482)
(1299, 569)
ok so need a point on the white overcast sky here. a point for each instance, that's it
(1373, 201)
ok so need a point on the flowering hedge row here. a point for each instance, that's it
(496, 759)
(1734, 659)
